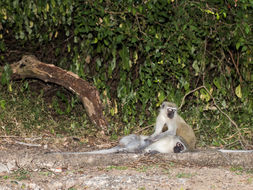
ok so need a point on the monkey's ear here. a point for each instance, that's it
(163, 105)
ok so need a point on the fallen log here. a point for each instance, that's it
(31, 67)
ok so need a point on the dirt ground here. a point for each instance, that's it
(30, 166)
(146, 177)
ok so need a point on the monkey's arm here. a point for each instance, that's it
(156, 137)
(160, 122)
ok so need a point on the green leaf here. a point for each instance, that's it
(6, 75)
(2, 104)
(149, 83)
(21, 35)
(238, 45)
(195, 65)
(106, 42)
(113, 63)
(204, 95)
(247, 28)
(217, 83)
(95, 41)
(161, 97)
(124, 54)
(238, 91)
(98, 63)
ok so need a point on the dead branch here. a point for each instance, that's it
(30, 67)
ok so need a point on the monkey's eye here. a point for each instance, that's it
(171, 110)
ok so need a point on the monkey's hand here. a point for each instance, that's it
(151, 152)
(148, 141)
(155, 138)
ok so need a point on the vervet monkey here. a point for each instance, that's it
(139, 144)
(128, 144)
(176, 125)
(166, 116)
(167, 144)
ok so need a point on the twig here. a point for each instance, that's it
(232, 121)
(115, 13)
(236, 65)
(26, 138)
(28, 144)
(187, 95)
(139, 26)
(33, 138)
(9, 136)
(144, 128)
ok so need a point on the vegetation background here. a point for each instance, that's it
(138, 54)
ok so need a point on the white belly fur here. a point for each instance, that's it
(164, 145)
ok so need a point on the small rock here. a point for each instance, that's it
(4, 168)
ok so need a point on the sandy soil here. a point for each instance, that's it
(142, 177)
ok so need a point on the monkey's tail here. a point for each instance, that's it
(235, 151)
(103, 151)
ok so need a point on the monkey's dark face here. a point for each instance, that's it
(171, 112)
(170, 109)
(178, 148)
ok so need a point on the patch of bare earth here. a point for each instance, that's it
(177, 177)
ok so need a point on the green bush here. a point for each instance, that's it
(140, 53)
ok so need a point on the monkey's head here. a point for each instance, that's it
(179, 147)
(171, 109)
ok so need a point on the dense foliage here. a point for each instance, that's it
(140, 53)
